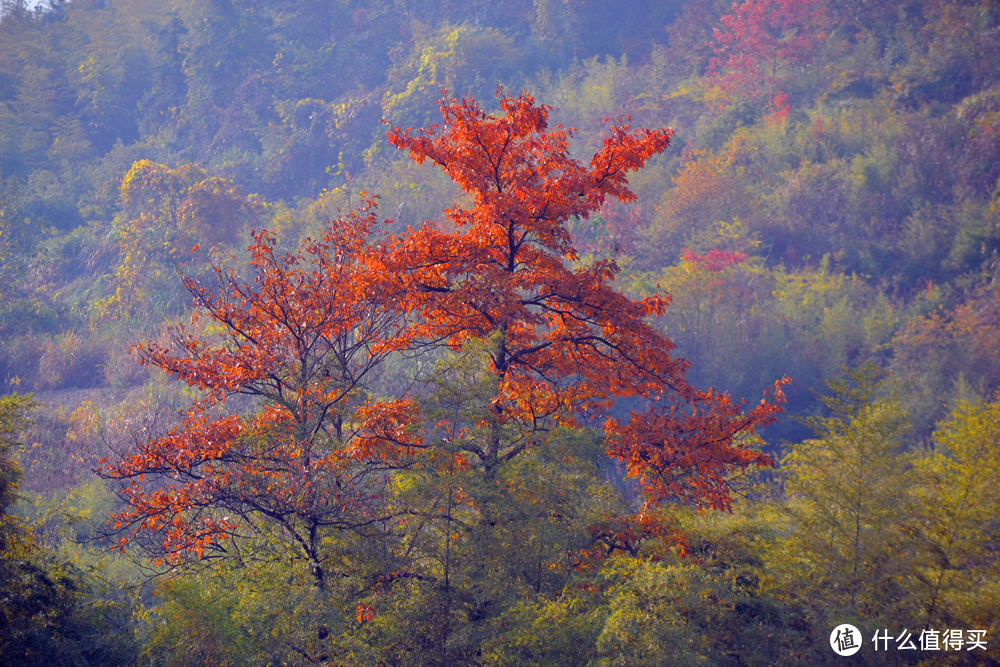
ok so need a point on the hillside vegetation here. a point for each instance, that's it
(381, 440)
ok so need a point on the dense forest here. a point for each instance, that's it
(287, 379)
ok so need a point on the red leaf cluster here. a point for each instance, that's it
(759, 41)
(714, 260)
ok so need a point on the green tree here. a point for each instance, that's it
(955, 521)
(51, 613)
(704, 605)
(462, 58)
(842, 554)
(167, 214)
(481, 551)
(227, 53)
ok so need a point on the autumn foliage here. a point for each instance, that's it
(759, 44)
(307, 335)
(567, 345)
(301, 341)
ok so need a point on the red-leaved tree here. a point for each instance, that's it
(564, 345)
(302, 339)
(317, 450)
(761, 42)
